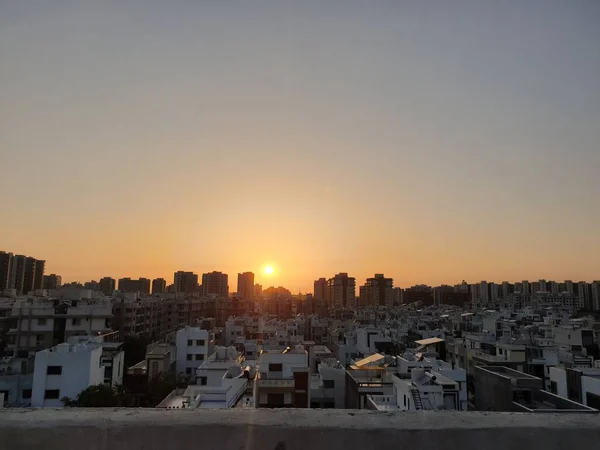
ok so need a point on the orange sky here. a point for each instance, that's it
(429, 144)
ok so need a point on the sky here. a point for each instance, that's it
(431, 141)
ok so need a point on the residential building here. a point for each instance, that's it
(215, 283)
(141, 285)
(581, 385)
(29, 275)
(341, 290)
(369, 376)
(185, 282)
(377, 291)
(67, 369)
(499, 388)
(5, 270)
(320, 289)
(421, 390)
(193, 347)
(245, 285)
(51, 281)
(38, 280)
(107, 285)
(328, 384)
(17, 273)
(92, 285)
(258, 290)
(16, 381)
(221, 381)
(36, 323)
(283, 379)
(159, 286)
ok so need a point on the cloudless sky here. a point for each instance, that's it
(432, 141)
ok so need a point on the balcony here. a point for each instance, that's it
(290, 429)
(276, 383)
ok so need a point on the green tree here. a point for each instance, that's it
(99, 396)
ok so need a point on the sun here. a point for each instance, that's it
(268, 269)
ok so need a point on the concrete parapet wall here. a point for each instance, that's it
(150, 429)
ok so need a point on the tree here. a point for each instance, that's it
(99, 396)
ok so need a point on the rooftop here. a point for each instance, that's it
(253, 429)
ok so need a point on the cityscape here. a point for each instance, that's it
(192, 343)
(299, 224)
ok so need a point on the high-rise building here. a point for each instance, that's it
(107, 285)
(398, 296)
(507, 289)
(141, 285)
(29, 276)
(320, 289)
(595, 295)
(38, 281)
(258, 290)
(341, 290)
(185, 281)
(582, 290)
(92, 285)
(215, 283)
(377, 291)
(245, 285)
(51, 281)
(5, 265)
(17, 273)
(159, 285)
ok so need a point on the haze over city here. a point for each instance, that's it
(430, 141)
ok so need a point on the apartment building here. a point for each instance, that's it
(185, 281)
(377, 291)
(245, 285)
(159, 286)
(107, 285)
(193, 347)
(51, 281)
(216, 284)
(141, 285)
(283, 379)
(341, 290)
(500, 388)
(35, 323)
(421, 390)
(68, 368)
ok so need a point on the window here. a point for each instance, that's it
(52, 394)
(202, 381)
(189, 357)
(275, 367)
(26, 393)
(200, 357)
(329, 405)
(188, 371)
(328, 384)
(76, 322)
(200, 342)
(54, 370)
(42, 321)
(190, 342)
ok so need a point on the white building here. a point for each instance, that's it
(424, 390)
(65, 371)
(221, 381)
(193, 347)
(16, 380)
(283, 379)
(585, 385)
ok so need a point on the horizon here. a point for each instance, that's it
(432, 142)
